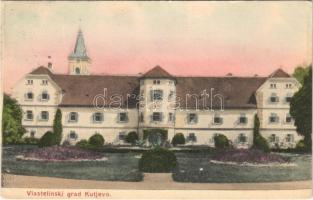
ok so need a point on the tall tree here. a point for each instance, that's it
(301, 109)
(57, 126)
(12, 129)
(300, 72)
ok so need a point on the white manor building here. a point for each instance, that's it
(198, 107)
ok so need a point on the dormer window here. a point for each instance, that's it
(192, 118)
(288, 85)
(217, 119)
(273, 118)
(98, 117)
(274, 98)
(44, 96)
(243, 119)
(273, 85)
(29, 82)
(44, 82)
(29, 96)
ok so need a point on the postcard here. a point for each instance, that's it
(156, 99)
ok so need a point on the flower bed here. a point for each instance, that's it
(246, 156)
(61, 153)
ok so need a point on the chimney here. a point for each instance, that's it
(229, 74)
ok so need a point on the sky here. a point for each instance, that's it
(185, 38)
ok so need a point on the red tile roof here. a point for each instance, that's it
(157, 72)
(279, 73)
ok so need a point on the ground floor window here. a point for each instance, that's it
(121, 136)
(289, 138)
(73, 135)
(273, 138)
(32, 133)
(242, 138)
(191, 137)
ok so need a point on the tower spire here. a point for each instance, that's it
(80, 48)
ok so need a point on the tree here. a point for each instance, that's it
(132, 137)
(178, 138)
(259, 142)
(12, 129)
(48, 139)
(300, 72)
(57, 126)
(301, 109)
(96, 140)
(221, 141)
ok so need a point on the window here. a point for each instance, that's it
(123, 117)
(191, 137)
(156, 95)
(289, 138)
(157, 116)
(29, 115)
(288, 99)
(273, 98)
(156, 82)
(142, 119)
(170, 82)
(73, 135)
(44, 96)
(98, 117)
(217, 119)
(44, 82)
(171, 95)
(32, 133)
(29, 96)
(243, 119)
(242, 138)
(192, 118)
(273, 85)
(288, 118)
(121, 136)
(44, 115)
(73, 117)
(170, 117)
(288, 85)
(29, 82)
(77, 70)
(273, 138)
(273, 118)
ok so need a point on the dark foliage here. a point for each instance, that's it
(57, 126)
(48, 139)
(259, 142)
(221, 141)
(132, 137)
(178, 138)
(96, 140)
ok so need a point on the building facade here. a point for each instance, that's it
(198, 107)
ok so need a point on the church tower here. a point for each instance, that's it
(78, 61)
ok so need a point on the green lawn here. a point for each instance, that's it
(190, 164)
(118, 167)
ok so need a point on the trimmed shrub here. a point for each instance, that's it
(178, 138)
(57, 126)
(132, 137)
(157, 160)
(30, 140)
(221, 141)
(96, 140)
(48, 139)
(261, 143)
(82, 143)
(66, 143)
(300, 146)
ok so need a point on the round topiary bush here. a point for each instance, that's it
(221, 141)
(132, 137)
(261, 143)
(157, 160)
(96, 140)
(82, 143)
(48, 139)
(178, 138)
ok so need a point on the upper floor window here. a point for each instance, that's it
(288, 118)
(44, 82)
(121, 136)
(29, 96)
(73, 117)
(288, 85)
(29, 115)
(274, 98)
(44, 115)
(170, 117)
(29, 82)
(44, 96)
(73, 135)
(288, 98)
(242, 138)
(289, 138)
(273, 85)
(192, 118)
(273, 118)
(217, 119)
(156, 95)
(243, 119)
(157, 116)
(123, 117)
(97, 117)
(156, 82)
(171, 95)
